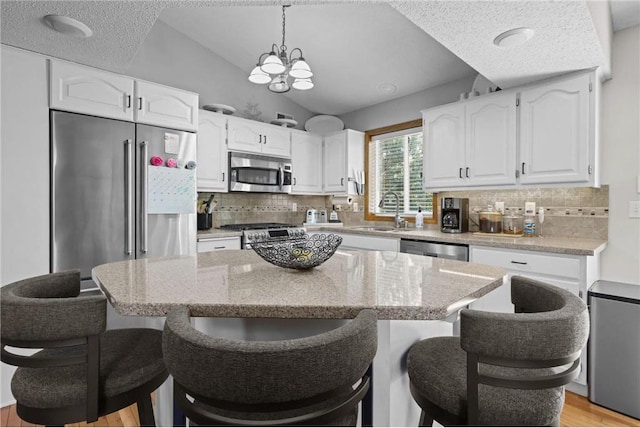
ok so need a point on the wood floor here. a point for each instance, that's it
(577, 412)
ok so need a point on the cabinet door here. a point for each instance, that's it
(490, 128)
(443, 134)
(335, 163)
(167, 107)
(86, 90)
(212, 171)
(245, 135)
(555, 132)
(306, 162)
(276, 141)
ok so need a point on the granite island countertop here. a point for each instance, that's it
(550, 244)
(239, 284)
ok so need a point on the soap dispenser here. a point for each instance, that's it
(419, 219)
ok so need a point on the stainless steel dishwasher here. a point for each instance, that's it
(435, 249)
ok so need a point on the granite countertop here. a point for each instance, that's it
(560, 245)
(218, 233)
(238, 283)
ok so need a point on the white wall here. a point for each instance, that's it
(620, 140)
(24, 175)
(406, 108)
(169, 57)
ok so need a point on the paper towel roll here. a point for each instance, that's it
(341, 200)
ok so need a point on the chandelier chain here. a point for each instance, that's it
(283, 48)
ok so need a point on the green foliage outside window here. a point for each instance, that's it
(397, 160)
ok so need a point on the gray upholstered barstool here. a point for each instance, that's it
(504, 369)
(306, 381)
(82, 371)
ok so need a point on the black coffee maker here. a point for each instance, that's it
(454, 216)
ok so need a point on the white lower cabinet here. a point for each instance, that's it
(570, 272)
(218, 244)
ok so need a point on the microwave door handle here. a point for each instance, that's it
(280, 177)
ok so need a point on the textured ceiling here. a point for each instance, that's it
(119, 29)
(565, 38)
(362, 43)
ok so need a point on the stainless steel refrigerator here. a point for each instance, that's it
(108, 202)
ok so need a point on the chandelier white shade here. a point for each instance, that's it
(275, 67)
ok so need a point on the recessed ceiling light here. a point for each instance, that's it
(514, 37)
(68, 26)
(387, 88)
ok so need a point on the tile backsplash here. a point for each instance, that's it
(578, 212)
(571, 212)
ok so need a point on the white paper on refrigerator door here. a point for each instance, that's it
(171, 191)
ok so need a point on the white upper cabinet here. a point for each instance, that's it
(470, 144)
(88, 90)
(491, 140)
(257, 137)
(343, 152)
(443, 146)
(212, 152)
(91, 91)
(167, 107)
(306, 162)
(557, 140)
(543, 134)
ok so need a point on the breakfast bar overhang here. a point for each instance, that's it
(410, 293)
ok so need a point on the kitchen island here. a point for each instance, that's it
(409, 293)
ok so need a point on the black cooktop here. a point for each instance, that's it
(255, 226)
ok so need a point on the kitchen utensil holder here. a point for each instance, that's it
(205, 221)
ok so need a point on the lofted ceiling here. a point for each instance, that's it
(362, 52)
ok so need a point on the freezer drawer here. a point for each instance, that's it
(614, 347)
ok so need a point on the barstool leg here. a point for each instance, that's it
(145, 412)
(425, 420)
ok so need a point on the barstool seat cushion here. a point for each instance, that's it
(437, 368)
(129, 358)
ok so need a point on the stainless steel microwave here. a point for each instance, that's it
(257, 173)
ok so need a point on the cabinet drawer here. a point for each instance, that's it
(563, 266)
(217, 244)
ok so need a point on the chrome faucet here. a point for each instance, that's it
(398, 220)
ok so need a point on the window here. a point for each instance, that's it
(394, 164)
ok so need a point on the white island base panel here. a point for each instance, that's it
(392, 401)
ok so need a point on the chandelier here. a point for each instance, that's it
(276, 67)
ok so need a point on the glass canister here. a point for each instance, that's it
(490, 221)
(512, 224)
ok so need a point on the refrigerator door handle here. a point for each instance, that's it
(128, 197)
(143, 197)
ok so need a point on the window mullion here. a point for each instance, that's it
(407, 181)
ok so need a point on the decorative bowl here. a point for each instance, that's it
(304, 253)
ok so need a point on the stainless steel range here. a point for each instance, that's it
(262, 232)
